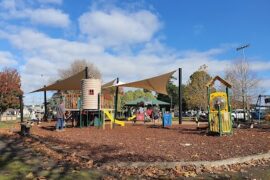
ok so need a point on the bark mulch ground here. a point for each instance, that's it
(151, 143)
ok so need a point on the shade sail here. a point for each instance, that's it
(157, 83)
(108, 84)
(71, 83)
(146, 101)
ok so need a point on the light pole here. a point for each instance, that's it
(243, 85)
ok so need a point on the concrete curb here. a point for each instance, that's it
(218, 163)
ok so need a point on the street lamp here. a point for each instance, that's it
(243, 85)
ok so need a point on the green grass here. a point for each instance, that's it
(8, 124)
(14, 169)
(20, 169)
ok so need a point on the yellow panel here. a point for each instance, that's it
(222, 95)
(225, 115)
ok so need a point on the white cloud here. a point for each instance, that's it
(113, 28)
(58, 2)
(45, 55)
(24, 10)
(260, 65)
(36, 43)
(52, 17)
(7, 59)
(8, 4)
(117, 27)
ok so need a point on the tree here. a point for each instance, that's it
(195, 92)
(10, 89)
(77, 66)
(244, 83)
(133, 95)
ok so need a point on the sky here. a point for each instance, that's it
(132, 39)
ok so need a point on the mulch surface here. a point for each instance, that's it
(149, 143)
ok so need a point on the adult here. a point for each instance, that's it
(60, 115)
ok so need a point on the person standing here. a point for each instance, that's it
(60, 115)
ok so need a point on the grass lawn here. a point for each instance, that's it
(8, 124)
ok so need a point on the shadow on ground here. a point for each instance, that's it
(19, 162)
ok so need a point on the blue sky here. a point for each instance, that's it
(131, 39)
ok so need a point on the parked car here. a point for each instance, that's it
(238, 114)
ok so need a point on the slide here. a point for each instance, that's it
(106, 112)
(132, 118)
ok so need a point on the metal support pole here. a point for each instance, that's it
(45, 105)
(115, 102)
(99, 112)
(81, 118)
(21, 107)
(244, 107)
(229, 109)
(180, 93)
(219, 121)
(260, 108)
(86, 73)
(208, 107)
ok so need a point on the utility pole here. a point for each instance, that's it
(243, 85)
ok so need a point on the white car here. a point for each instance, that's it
(238, 114)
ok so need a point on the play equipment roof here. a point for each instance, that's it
(146, 101)
(212, 81)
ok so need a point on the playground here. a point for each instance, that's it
(107, 140)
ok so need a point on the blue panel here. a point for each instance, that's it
(167, 120)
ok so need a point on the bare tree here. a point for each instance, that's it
(244, 83)
(79, 65)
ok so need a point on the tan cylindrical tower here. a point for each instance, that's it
(90, 90)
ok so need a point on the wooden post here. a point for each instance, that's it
(180, 93)
(115, 102)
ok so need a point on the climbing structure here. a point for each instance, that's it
(219, 108)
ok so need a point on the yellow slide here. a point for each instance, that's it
(132, 117)
(111, 118)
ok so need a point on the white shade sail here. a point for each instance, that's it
(157, 83)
